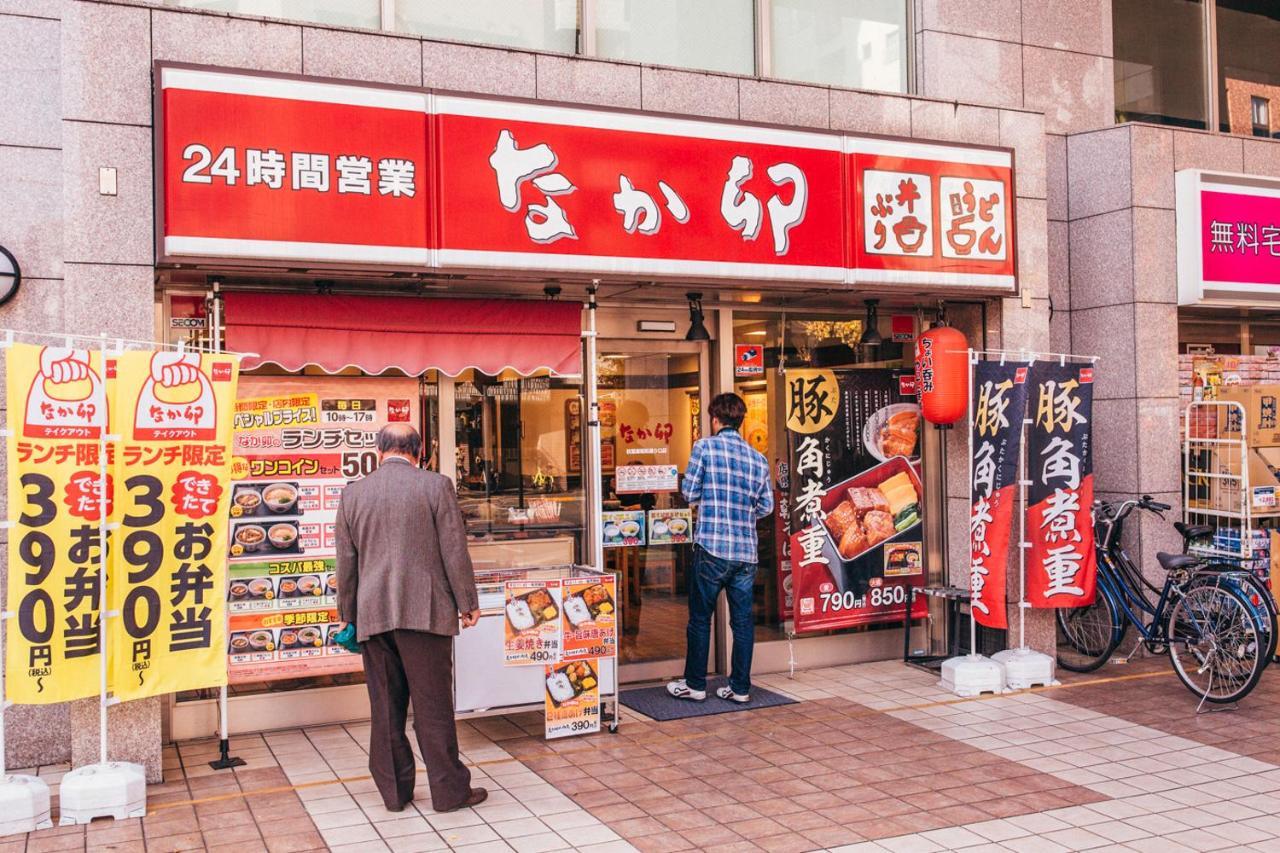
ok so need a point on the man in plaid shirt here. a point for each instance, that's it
(729, 483)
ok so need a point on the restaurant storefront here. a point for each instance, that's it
(402, 254)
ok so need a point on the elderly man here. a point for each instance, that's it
(405, 579)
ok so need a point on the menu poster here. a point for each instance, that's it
(298, 441)
(670, 526)
(855, 492)
(532, 622)
(572, 698)
(590, 618)
(623, 528)
(262, 645)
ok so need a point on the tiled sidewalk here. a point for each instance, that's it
(874, 757)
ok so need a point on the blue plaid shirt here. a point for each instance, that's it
(729, 481)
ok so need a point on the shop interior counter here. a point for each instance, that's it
(482, 682)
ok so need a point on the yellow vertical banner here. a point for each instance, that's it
(57, 417)
(173, 414)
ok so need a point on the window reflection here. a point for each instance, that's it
(1248, 66)
(341, 13)
(550, 25)
(1159, 61)
(519, 464)
(716, 35)
(860, 45)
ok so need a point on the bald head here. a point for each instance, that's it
(400, 440)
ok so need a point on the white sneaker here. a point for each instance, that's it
(726, 692)
(680, 690)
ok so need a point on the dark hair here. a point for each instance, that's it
(728, 409)
(400, 438)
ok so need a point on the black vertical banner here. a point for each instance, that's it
(999, 407)
(1062, 569)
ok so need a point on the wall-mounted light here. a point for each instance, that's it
(10, 275)
(697, 331)
(871, 337)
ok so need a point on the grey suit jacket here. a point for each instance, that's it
(402, 553)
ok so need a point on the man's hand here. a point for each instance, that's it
(470, 618)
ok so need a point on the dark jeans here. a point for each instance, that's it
(710, 575)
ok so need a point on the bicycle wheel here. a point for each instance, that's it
(1258, 595)
(1215, 642)
(1088, 635)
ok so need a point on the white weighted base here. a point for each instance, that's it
(116, 789)
(24, 804)
(1025, 668)
(972, 675)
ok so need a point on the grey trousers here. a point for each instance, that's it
(404, 665)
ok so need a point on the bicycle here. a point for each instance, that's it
(1258, 592)
(1216, 638)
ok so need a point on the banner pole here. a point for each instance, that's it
(1022, 534)
(973, 618)
(225, 759)
(102, 570)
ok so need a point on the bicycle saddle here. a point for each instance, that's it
(1174, 562)
(1192, 531)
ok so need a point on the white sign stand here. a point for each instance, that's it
(115, 789)
(972, 674)
(24, 800)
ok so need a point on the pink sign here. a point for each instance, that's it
(1240, 237)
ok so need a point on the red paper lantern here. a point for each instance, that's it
(942, 374)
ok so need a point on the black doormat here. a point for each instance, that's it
(657, 703)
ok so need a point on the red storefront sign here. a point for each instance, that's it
(253, 166)
(285, 169)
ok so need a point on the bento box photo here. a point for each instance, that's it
(865, 513)
(528, 611)
(568, 681)
(587, 606)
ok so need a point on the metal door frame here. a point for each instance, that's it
(668, 667)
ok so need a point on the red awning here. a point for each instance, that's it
(375, 333)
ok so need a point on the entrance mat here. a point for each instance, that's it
(657, 703)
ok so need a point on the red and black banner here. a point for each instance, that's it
(999, 407)
(1062, 568)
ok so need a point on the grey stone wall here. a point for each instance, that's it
(76, 96)
(1124, 295)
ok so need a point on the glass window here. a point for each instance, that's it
(518, 442)
(1248, 66)
(860, 45)
(550, 25)
(1159, 61)
(716, 35)
(341, 13)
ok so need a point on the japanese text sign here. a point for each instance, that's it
(268, 167)
(572, 698)
(590, 615)
(854, 491)
(286, 169)
(163, 481)
(631, 479)
(298, 441)
(532, 634)
(58, 402)
(1062, 566)
(172, 469)
(999, 408)
(1228, 238)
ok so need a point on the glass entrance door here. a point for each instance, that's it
(652, 404)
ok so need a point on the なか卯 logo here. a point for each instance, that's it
(176, 402)
(66, 398)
